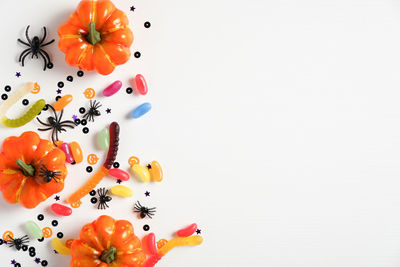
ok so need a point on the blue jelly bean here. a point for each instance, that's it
(141, 110)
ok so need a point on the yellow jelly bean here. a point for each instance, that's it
(122, 191)
(141, 173)
(155, 170)
(76, 152)
(60, 247)
(62, 102)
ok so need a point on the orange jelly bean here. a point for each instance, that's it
(156, 173)
(63, 102)
(76, 151)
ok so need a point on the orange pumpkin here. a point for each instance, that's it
(96, 37)
(31, 169)
(107, 243)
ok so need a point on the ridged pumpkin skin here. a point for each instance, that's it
(29, 191)
(103, 234)
(109, 49)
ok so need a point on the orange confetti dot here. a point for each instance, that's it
(69, 243)
(47, 232)
(89, 93)
(35, 89)
(92, 159)
(161, 243)
(133, 161)
(8, 235)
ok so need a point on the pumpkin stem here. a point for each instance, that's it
(93, 36)
(108, 255)
(27, 169)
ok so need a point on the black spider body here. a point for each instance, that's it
(56, 125)
(103, 198)
(18, 242)
(49, 175)
(144, 211)
(93, 111)
(35, 46)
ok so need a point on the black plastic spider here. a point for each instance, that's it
(35, 47)
(93, 111)
(144, 211)
(18, 242)
(49, 175)
(56, 125)
(103, 198)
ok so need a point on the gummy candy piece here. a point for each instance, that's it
(119, 174)
(141, 172)
(155, 170)
(34, 229)
(187, 231)
(122, 191)
(67, 151)
(62, 102)
(103, 139)
(139, 83)
(60, 247)
(141, 110)
(193, 240)
(61, 209)
(112, 88)
(76, 152)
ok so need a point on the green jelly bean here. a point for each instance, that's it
(103, 139)
(34, 229)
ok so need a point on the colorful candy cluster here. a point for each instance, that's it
(96, 37)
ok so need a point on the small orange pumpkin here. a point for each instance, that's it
(96, 37)
(31, 169)
(107, 243)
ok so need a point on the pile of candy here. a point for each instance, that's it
(96, 37)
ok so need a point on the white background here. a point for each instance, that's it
(277, 124)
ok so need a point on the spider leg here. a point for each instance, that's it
(57, 135)
(23, 58)
(44, 35)
(45, 129)
(22, 54)
(44, 58)
(64, 123)
(45, 124)
(46, 54)
(22, 42)
(61, 114)
(52, 41)
(26, 35)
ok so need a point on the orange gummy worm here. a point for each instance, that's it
(88, 186)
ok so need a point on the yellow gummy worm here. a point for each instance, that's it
(193, 240)
(28, 116)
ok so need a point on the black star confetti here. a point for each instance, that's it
(198, 231)
(18, 74)
(133, 8)
(37, 260)
(59, 91)
(108, 110)
(119, 181)
(147, 193)
(57, 198)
